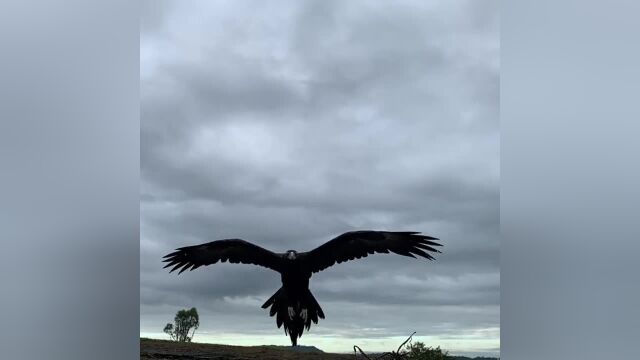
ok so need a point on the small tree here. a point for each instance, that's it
(185, 321)
(168, 329)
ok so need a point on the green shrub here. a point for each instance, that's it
(418, 351)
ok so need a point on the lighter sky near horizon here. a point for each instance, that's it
(286, 123)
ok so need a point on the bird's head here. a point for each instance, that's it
(291, 254)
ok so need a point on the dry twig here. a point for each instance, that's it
(393, 355)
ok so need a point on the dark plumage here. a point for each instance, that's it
(293, 304)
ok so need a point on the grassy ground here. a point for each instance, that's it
(163, 349)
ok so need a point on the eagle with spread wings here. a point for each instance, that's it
(293, 304)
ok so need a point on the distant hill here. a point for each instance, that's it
(299, 348)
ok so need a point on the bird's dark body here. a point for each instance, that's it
(294, 294)
(294, 276)
(293, 305)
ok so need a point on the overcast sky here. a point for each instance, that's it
(286, 123)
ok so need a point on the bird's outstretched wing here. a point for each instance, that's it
(358, 244)
(232, 250)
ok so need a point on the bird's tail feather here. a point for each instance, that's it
(294, 327)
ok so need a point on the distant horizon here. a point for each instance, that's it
(368, 345)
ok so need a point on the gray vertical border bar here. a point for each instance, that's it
(69, 179)
(570, 179)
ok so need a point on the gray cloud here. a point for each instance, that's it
(288, 123)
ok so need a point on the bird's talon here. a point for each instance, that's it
(291, 312)
(304, 314)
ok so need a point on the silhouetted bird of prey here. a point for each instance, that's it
(293, 304)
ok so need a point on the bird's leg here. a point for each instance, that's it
(304, 314)
(291, 312)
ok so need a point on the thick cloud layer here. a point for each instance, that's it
(286, 123)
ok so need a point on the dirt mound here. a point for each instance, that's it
(163, 349)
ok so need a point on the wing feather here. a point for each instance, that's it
(358, 244)
(231, 250)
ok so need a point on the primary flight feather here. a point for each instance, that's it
(293, 304)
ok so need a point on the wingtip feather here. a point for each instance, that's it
(184, 268)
